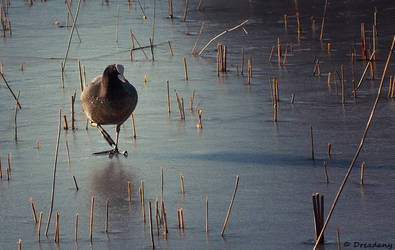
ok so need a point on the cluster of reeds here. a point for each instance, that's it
(221, 58)
(8, 169)
(4, 18)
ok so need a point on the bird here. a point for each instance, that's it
(109, 99)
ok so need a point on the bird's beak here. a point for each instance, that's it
(122, 78)
(120, 70)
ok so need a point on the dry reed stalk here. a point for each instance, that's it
(75, 183)
(371, 70)
(106, 222)
(360, 145)
(161, 195)
(182, 218)
(170, 48)
(182, 184)
(84, 74)
(230, 206)
(152, 49)
(316, 63)
(271, 54)
(153, 23)
(140, 47)
(249, 71)
(116, 25)
(318, 212)
(150, 225)
(242, 61)
(15, 120)
(133, 125)
(393, 87)
(323, 20)
(206, 214)
(278, 51)
(362, 171)
(185, 69)
(12, 92)
(33, 210)
(338, 238)
(2, 68)
(199, 4)
(91, 219)
(285, 22)
(326, 173)
(220, 34)
(312, 142)
(179, 105)
(198, 38)
(186, 10)
(237, 69)
(37, 144)
(71, 34)
(329, 149)
(363, 41)
(390, 87)
(142, 10)
(67, 151)
(342, 75)
(39, 226)
(57, 228)
(164, 226)
(129, 191)
(329, 79)
(76, 228)
(285, 56)
(69, 13)
(364, 72)
(8, 173)
(9, 161)
(21, 65)
(62, 72)
(157, 219)
(298, 21)
(170, 2)
(224, 59)
(168, 96)
(65, 126)
(178, 217)
(329, 48)
(54, 173)
(192, 99)
(20, 244)
(72, 110)
(292, 98)
(142, 200)
(199, 125)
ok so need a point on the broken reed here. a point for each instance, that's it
(275, 98)
(182, 184)
(323, 20)
(221, 58)
(198, 38)
(39, 226)
(362, 171)
(33, 210)
(142, 200)
(206, 214)
(57, 228)
(312, 142)
(129, 191)
(180, 107)
(170, 48)
(168, 96)
(249, 63)
(342, 82)
(150, 225)
(76, 228)
(230, 206)
(185, 69)
(199, 125)
(133, 125)
(91, 219)
(72, 110)
(326, 173)
(298, 21)
(318, 212)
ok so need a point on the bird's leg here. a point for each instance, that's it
(106, 135)
(117, 129)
